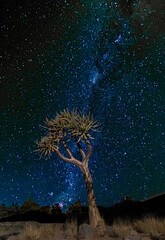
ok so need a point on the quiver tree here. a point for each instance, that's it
(77, 126)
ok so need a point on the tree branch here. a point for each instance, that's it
(80, 148)
(89, 150)
(85, 160)
(66, 148)
(70, 160)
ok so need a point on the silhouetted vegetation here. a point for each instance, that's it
(74, 126)
(125, 209)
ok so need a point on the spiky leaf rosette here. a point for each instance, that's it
(47, 145)
(81, 124)
(72, 124)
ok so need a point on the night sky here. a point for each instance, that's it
(99, 56)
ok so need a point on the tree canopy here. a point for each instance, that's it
(66, 125)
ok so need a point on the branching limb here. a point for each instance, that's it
(67, 125)
(80, 148)
(70, 160)
(85, 160)
(89, 150)
(66, 148)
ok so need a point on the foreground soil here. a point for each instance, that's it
(69, 231)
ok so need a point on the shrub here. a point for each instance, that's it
(151, 225)
(120, 228)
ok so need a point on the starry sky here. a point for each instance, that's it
(100, 56)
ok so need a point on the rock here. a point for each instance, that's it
(85, 232)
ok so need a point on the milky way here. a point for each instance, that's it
(103, 57)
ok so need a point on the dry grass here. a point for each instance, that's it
(30, 232)
(9, 228)
(70, 230)
(36, 231)
(150, 225)
(120, 228)
(48, 230)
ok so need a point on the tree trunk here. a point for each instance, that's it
(94, 216)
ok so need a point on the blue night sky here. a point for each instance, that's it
(99, 56)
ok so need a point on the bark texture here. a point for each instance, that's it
(94, 216)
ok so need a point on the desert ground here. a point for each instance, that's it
(148, 228)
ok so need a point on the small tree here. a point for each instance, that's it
(73, 125)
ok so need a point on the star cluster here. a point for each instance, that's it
(101, 56)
